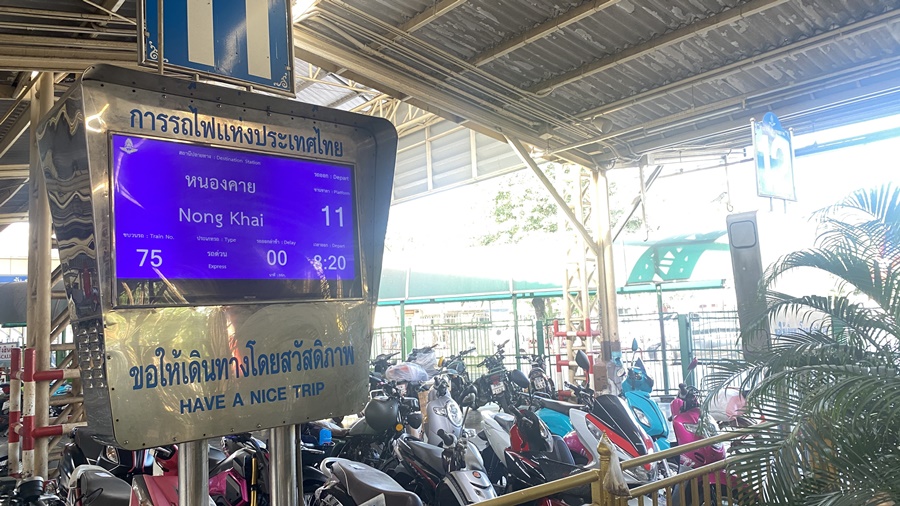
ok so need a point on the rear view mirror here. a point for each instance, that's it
(468, 400)
(693, 364)
(634, 345)
(519, 378)
(581, 359)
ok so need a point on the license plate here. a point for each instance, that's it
(540, 384)
(401, 388)
(497, 388)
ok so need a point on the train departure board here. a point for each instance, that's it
(196, 224)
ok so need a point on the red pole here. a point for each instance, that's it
(28, 414)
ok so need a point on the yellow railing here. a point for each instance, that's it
(690, 488)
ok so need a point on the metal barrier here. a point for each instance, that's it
(710, 336)
(685, 487)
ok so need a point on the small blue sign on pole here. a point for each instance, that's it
(247, 42)
(773, 153)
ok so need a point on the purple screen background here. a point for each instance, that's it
(193, 232)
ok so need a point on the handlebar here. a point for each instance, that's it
(446, 438)
(577, 389)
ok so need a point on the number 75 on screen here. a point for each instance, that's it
(154, 254)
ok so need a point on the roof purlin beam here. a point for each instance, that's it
(542, 30)
(710, 23)
(428, 15)
(14, 171)
(15, 131)
(381, 78)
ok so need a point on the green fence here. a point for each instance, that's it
(666, 350)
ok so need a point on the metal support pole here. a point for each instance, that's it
(609, 321)
(193, 472)
(39, 269)
(515, 312)
(662, 338)
(686, 343)
(160, 28)
(560, 201)
(284, 474)
(539, 329)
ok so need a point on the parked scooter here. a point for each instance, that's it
(459, 380)
(690, 425)
(636, 389)
(380, 364)
(536, 456)
(353, 483)
(492, 386)
(85, 449)
(450, 476)
(386, 417)
(28, 492)
(539, 381)
(608, 414)
(443, 413)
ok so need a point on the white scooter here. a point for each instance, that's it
(442, 412)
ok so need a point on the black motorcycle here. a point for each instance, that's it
(493, 385)
(459, 375)
(539, 381)
(28, 492)
(380, 364)
(85, 448)
(386, 417)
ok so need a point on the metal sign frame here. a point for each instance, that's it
(157, 375)
(286, 85)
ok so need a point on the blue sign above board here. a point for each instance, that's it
(773, 153)
(247, 42)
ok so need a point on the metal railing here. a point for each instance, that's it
(687, 487)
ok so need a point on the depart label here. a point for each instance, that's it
(186, 211)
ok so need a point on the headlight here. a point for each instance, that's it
(641, 417)
(112, 454)
(454, 414)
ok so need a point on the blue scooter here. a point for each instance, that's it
(636, 389)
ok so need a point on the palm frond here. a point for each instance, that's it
(831, 388)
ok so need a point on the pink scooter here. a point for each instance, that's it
(689, 425)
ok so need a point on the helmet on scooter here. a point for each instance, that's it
(382, 413)
(690, 395)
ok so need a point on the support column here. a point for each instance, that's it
(516, 340)
(193, 470)
(39, 271)
(663, 347)
(284, 475)
(609, 320)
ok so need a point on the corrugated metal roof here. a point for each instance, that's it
(643, 65)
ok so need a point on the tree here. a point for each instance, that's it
(523, 207)
(832, 391)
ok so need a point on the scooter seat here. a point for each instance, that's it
(559, 406)
(365, 483)
(103, 488)
(505, 420)
(429, 454)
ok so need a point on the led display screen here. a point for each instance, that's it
(196, 224)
